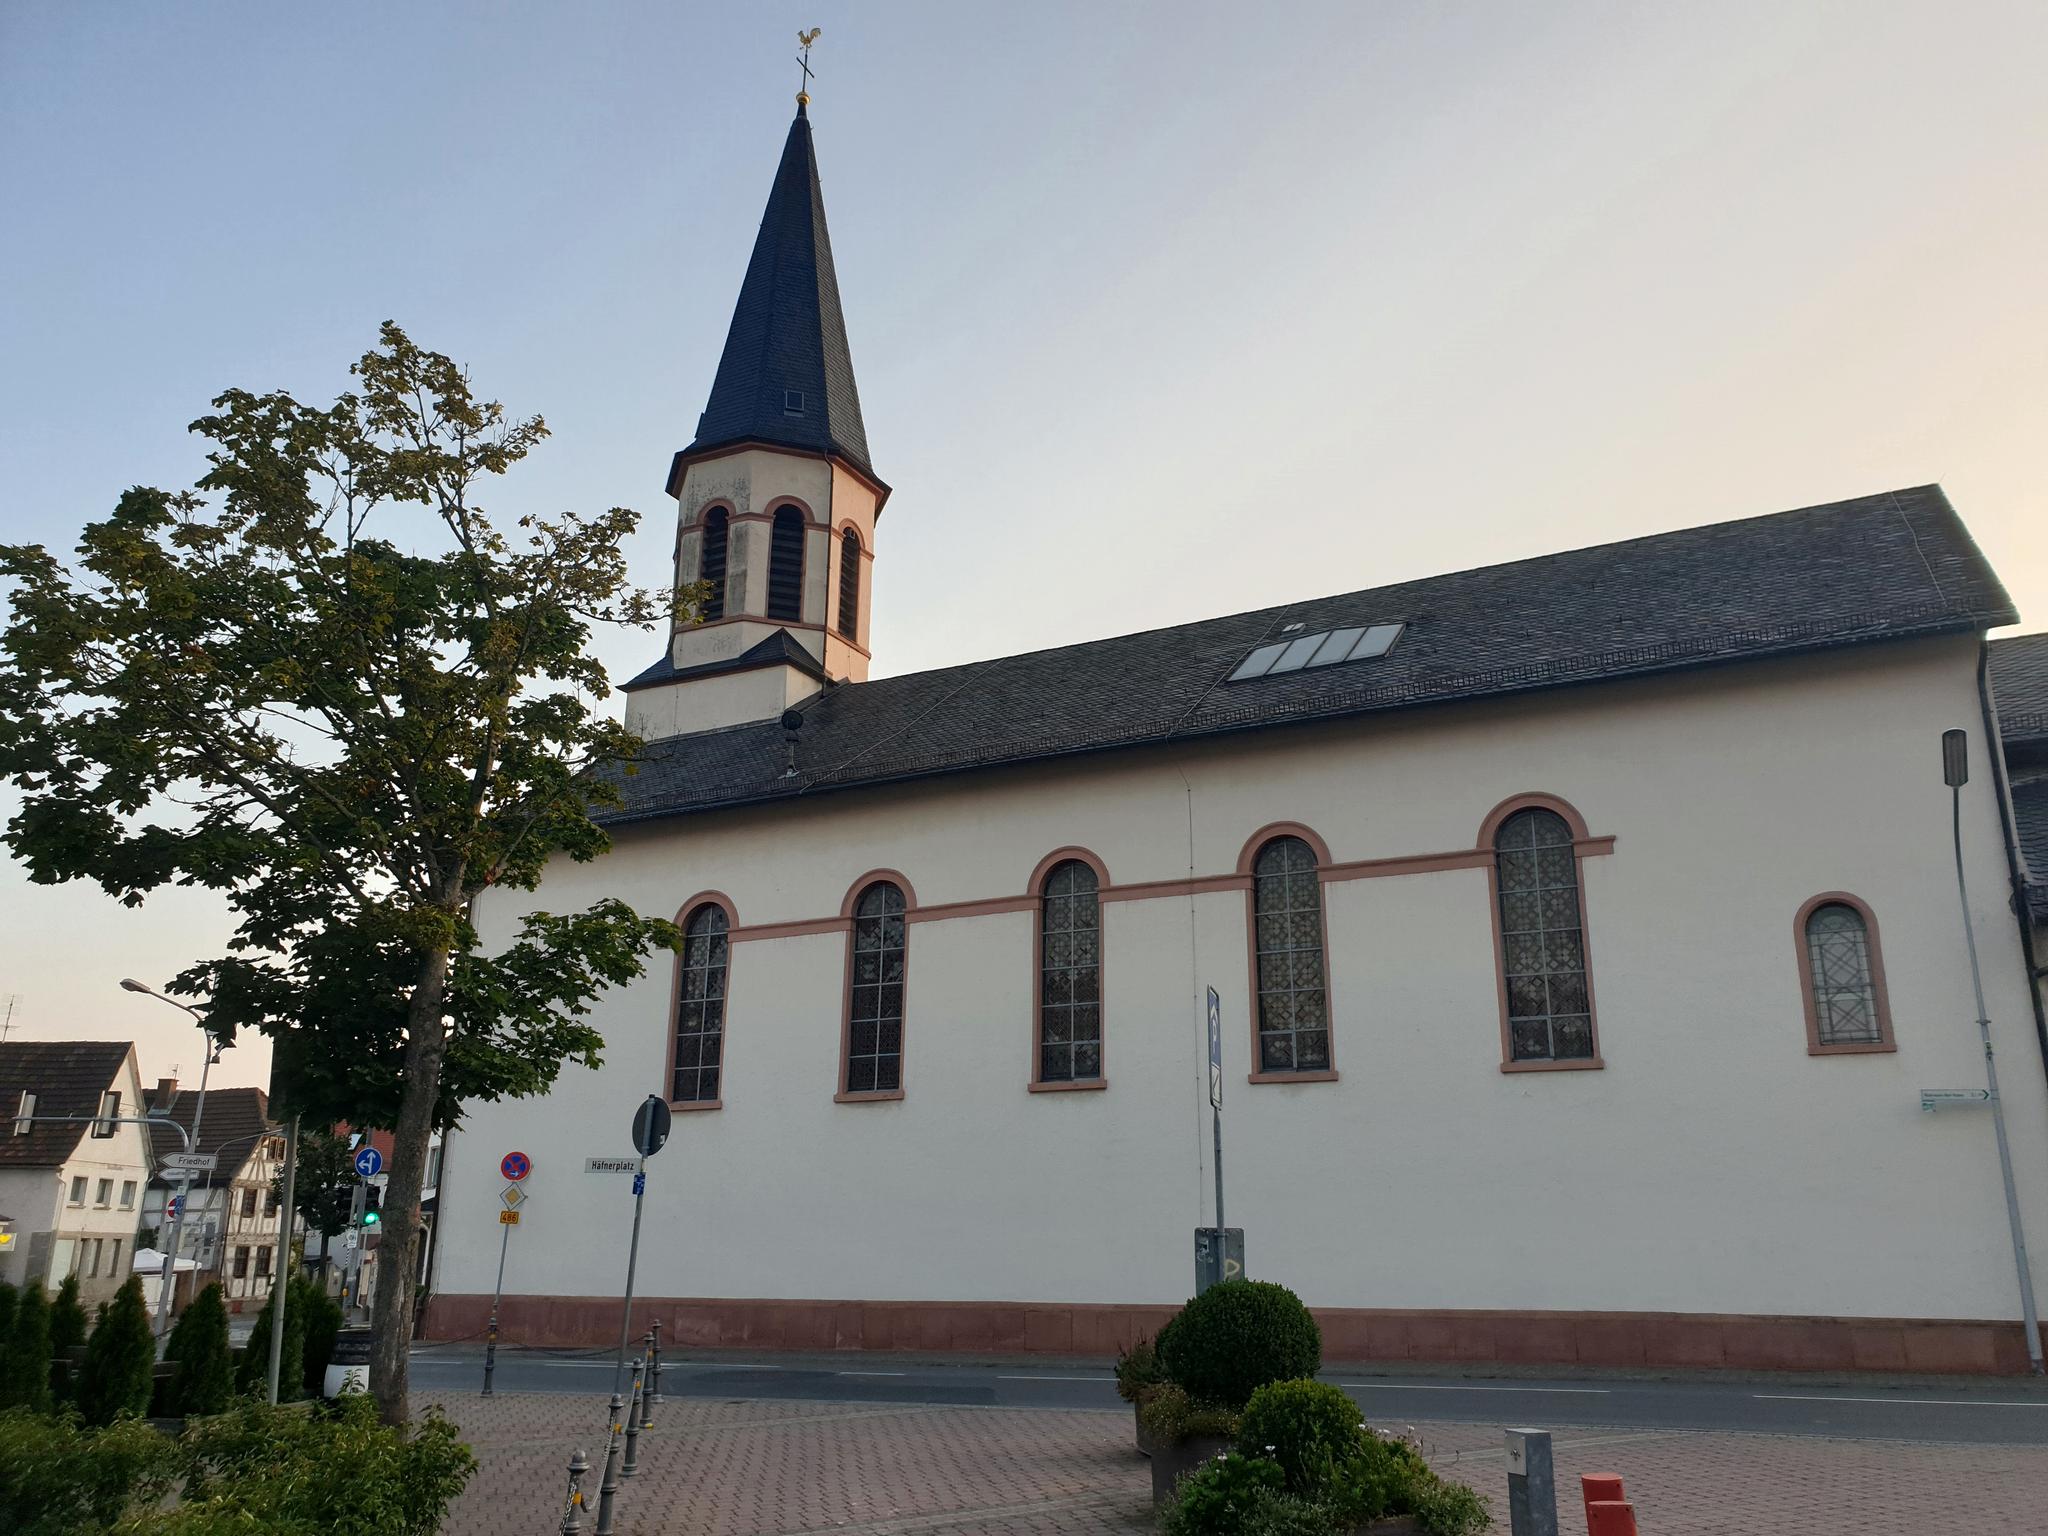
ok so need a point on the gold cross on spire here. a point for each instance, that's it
(805, 39)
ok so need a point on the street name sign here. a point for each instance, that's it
(610, 1164)
(190, 1162)
(1932, 1099)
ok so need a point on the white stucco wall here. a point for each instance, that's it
(1711, 1166)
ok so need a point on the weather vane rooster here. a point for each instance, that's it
(804, 41)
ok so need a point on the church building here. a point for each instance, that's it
(1584, 932)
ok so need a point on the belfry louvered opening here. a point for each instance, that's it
(786, 565)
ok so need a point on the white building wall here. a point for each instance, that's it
(1712, 1166)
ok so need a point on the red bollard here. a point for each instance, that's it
(1608, 1512)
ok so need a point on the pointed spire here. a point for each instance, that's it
(786, 376)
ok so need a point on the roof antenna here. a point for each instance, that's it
(7, 1023)
(805, 39)
(792, 722)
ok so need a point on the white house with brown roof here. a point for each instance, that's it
(71, 1176)
(1583, 933)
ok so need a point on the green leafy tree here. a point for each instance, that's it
(120, 1359)
(25, 1370)
(206, 1374)
(323, 1185)
(365, 704)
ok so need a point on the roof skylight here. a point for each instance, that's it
(1324, 648)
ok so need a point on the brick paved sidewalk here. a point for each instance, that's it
(751, 1468)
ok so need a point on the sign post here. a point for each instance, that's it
(650, 1134)
(1532, 1484)
(515, 1166)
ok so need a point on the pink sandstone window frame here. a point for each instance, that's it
(1247, 859)
(684, 913)
(1886, 1043)
(848, 910)
(1038, 1082)
(1584, 846)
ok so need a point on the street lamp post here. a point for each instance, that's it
(163, 1301)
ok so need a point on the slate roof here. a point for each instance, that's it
(2019, 682)
(779, 649)
(67, 1077)
(1876, 568)
(787, 329)
(235, 1119)
(2030, 815)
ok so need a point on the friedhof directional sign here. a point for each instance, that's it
(369, 1161)
(650, 1126)
(515, 1166)
(1215, 1050)
(190, 1162)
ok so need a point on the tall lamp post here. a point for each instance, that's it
(163, 1300)
(1955, 772)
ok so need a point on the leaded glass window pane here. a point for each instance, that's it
(700, 1007)
(1070, 975)
(1542, 939)
(874, 1034)
(1844, 989)
(1287, 927)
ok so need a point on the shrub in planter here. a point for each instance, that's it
(1309, 1428)
(1136, 1369)
(1388, 1477)
(120, 1359)
(252, 1371)
(1169, 1416)
(206, 1375)
(59, 1479)
(323, 1326)
(1219, 1497)
(1237, 1336)
(25, 1363)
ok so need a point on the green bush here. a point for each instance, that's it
(332, 1472)
(1136, 1369)
(1219, 1497)
(252, 1374)
(1237, 1336)
(206, 1377)
(1446, 1508)
(1389, 1477)
(1170, 1416)
(1286, 1514)
(8, 1297)
(60, 1479)
(120, 1359)
(1309, 1428)
(25, 1366)
(67, 1332)
(323, 1325)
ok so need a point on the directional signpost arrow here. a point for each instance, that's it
(369, 1162)
(190, 1162)
(1932, 1099)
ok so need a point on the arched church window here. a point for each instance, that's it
(711, 564)
(1542, 939)
(1843, 977)
(849, 584)
(700, 1007)
(1287, 944)
(1069, 975)
(786, 565)
(874, 1016)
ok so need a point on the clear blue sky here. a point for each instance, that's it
(1159, 311)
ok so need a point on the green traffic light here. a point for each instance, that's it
(371, 1218)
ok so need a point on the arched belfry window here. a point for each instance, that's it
(700, 1007)
(1843, 976)
(1287, 943)
(849, 584)
(1542, 939)
(874, 1014)
(786, 565)
(711, 564)
(1070, 975)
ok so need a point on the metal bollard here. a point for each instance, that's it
(654, 1376)
(1608, 1512)
(490, 1354)
(632, 1466)
(572, 1506)
(608, 1489)
(647, 1391)
(1532, 1484)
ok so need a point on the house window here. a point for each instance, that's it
(114, 1256)
(262, 1263)
(874, 1023)
(90, 1252)
(1842, 974)
(1069, 975)
(241, 1263)
(1287, 942)
(248, 1204)
(849, 584)
(270, 1205)
(78, 1190)
(711, 563)
(700, 1007)
(24, 1115)
(127, 1194)
(786, 564)
(103, 1193)
(1542, 939)
(110, 1110)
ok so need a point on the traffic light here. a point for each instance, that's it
(373, 1214)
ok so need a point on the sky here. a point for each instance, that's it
(1159, 311)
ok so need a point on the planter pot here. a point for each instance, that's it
(1170, 1463)
(1144, 1440)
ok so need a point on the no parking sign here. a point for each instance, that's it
(515, 1166)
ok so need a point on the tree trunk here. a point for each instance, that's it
(426, 1046)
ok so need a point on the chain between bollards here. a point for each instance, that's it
(632, 1466)
(572, 1505)
(608, 1489)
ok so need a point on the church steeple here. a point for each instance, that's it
(776, 499)
(786, 375)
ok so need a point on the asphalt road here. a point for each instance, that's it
(1994, 1412)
